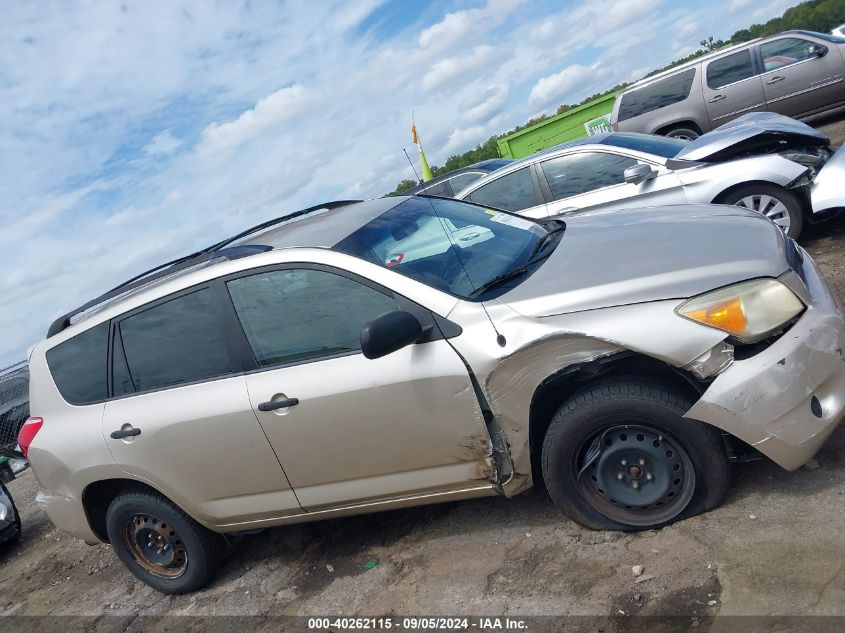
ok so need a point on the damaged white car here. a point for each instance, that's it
(624, 359)
(763, 161)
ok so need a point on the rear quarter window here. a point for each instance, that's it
(79, 366)
(658, 95)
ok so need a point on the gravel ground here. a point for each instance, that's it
(774, 547)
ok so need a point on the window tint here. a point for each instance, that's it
(657, 95)
(295, 315)
(647, 143)
(729, 69)
(784, 52)
(79, 365)
(175, 342)
(440, 189)
(512, 192)
(463, 180)
(579, 173)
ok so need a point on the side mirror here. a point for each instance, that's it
(388, 333)
(817, 50)
(638, 173)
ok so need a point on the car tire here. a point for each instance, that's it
(15, 529)
(160, 544)
(776, 203)
(684, 469)
(682, 133)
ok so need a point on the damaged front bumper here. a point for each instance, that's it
(786, 400)
(826, 193)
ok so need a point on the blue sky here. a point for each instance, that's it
(135, 132)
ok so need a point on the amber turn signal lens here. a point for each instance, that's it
(728, 316)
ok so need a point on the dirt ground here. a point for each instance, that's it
(775, 547)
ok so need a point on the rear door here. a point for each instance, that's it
(732, 86)
(595, 180)
(797, 79)
(178, 384)
(355, 430)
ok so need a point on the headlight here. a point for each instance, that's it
(748, 311)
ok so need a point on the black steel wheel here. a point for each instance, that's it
(619, 454)
(160, 544)
(637, 475)
(156, 546)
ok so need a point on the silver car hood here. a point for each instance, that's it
(614, 258)
(756, 132)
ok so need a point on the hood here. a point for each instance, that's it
(753, 133)
(617, 258)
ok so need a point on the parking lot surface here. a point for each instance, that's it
(774, 547)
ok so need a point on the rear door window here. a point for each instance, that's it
(79, 366)
(785, 52)
(172, 343)
(462, 181)
(438, 189)
(657, 95)
(584, 172)
(511, 192)
(730, 69)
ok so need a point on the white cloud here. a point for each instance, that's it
(448, 70)
(162, 143)
(271, 111)
(492, 101)
(560, 87)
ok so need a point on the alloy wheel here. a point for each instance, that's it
(769, 206)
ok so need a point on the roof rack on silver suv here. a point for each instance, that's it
(215, 251)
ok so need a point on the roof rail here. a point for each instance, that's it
(208, 253)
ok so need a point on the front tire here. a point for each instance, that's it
(619, 455)
(776, 203)
(160, 544)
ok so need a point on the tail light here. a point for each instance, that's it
(28, 431)
(615, 127)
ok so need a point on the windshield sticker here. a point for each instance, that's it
(394, 259)
(512, 220)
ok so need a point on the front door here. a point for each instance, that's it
(596, 180)
(187, 424)
(732, 87)
(354, 430)
(797, 79)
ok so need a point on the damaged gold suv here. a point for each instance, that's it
(356, 357)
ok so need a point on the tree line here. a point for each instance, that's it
(812, 15)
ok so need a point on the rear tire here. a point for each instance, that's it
(776, 203)
(683, 133)
(160, 544)
(684, 469)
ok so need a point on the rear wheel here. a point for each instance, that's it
(160, 544)
(683, 133)
(777, 204)
(620, 455)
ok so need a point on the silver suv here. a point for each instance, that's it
(357, 357)
(796, 73)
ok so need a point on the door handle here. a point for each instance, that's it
(775, 79)
(272, 405)
(716, 98)
(124, 433)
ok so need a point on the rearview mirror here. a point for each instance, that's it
(638, 173)
(388, 333)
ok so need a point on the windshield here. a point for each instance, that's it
(450, 245)
(647, 143)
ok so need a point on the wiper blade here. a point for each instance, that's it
(499, 279)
